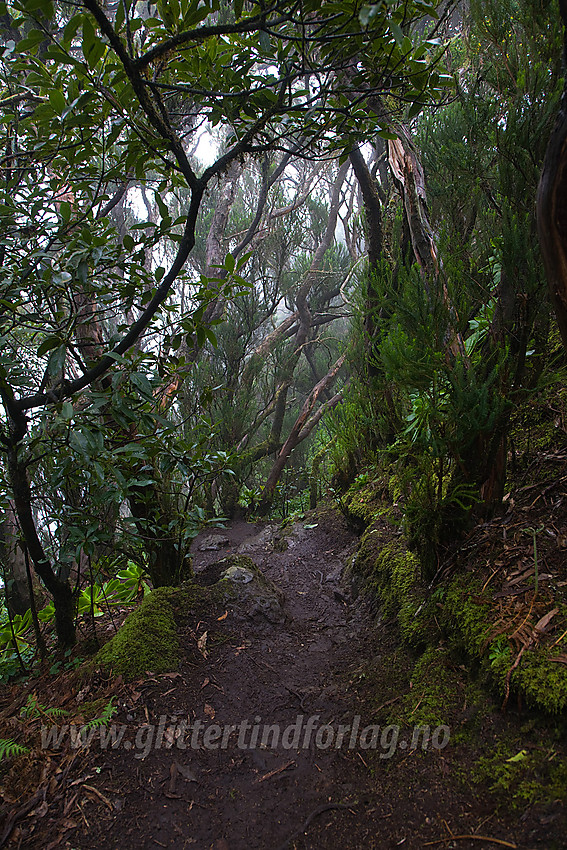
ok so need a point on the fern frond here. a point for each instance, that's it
(108, 713)
(9, 749)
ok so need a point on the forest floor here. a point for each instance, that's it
(327, 661)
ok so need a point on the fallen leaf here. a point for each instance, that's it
(209, 711)
(202, 645)
(186, 772)
(41, 810)
(541, 624)
(519, 756)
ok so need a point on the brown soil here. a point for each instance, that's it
(313, 664)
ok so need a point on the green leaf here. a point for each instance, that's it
(57, 100)
(67, 411)
(48, 344)
(9, 749)
(397, 32)
(518, 757)
(71, 29)
(44, 6)
(368, 13)
(141, 383)
(162, 207)
(78, 441)
(30, 42)
(65, 213)
(88, 36)
(387, 134)
(415, 109)
(93, 47)
(211, 337)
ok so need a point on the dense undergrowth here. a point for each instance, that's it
(497, 596)
(480, 641)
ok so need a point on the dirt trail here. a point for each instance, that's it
(308, 665)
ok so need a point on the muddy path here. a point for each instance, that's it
(299, 678)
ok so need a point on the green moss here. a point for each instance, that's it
(430, 690)
(243, 562)
(466, 619)
(92, 709)
(363, 502)
(396, 489)
(392, 576)
(436, 691)
(147, 639)
(543, 682)
(519, 777)
(465, 615)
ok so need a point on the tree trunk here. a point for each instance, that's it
(63, 596)
(374, 308)
(314, 488)
(301, 429)
(168, 565)
(552, 208)
(16, 586)
(373, 214)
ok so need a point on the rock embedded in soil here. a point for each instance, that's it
(212, 543)
(253, 594)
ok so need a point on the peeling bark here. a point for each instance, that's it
(16, 589)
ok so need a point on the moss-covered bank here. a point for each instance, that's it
(467, 617)
(390, 574)
(148, 639)
(459, 612)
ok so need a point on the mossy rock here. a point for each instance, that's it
(147, 639)
(251, 593)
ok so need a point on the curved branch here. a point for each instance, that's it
(65, 389)
(200, 34)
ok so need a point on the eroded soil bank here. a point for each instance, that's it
(316, 670)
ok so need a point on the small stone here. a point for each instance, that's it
(239, 574)
(212, 543)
